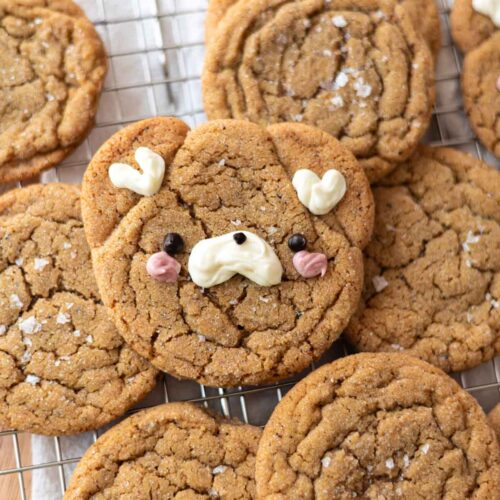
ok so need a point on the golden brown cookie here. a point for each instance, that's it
(378, 426)
(52, 68)
(432, 271)
(469, 28)
(424, 15)
(177, 450)
(494, 419)
(64, 368)
(224, 177)
(481, 91)
(355, 69)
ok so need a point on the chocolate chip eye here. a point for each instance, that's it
(297, 242)
(240, 238)
(173, 243)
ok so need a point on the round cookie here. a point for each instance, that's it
(64, 368)
(432, 271)
(53, 66)
(378, 426)
(177, 450)
(494, 419)
(423, 13)
(469, 28)
(481, 91)
(226, 176)
(355, 69)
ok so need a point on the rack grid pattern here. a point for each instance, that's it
(155, 52)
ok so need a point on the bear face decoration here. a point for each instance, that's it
(223, 275)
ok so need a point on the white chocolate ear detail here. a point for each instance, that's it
(146, 183)
(216, 260)
(320, 196)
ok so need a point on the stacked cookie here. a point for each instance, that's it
(475, 26)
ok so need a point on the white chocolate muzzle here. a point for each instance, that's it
(216, 260)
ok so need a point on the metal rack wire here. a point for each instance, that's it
(155, 49)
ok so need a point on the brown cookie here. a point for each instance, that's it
(423, 13)
(469, 28)
(432, 271)
(355, 69)
(378, 426)
(52, 68)
(64, 368)
(481, 91)
(494, 419)
(177, 450)
(227, 176)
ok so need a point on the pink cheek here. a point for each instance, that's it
(163, 268)
(310, 265)
(498, 84)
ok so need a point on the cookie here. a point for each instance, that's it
(177, 450)
(432, 271)
(494, 419)
(356, 70)
(378, 426)
(64, 368)
(470, 27)
(481, 91)
(52, 69)
(423, 13)
(222, 274)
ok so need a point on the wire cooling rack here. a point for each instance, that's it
(156, 51)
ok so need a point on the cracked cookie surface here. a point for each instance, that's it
(432, 270)
(378, 426)
(469, 28)
(177, 450)
(356, 70)
(424, 15)
(53, 66)
(64, 368)
(481, 91)
(221, 177)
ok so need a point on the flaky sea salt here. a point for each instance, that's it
(389, 463)
(15, 301)
(202, 338)
(425, 448)
(406, 460)
(222, 163)
(32, 379)
(233, 302)
(40, 263)
(326, 461)
(30, 325)
(298, 118)
(236, 222)
(327, 53)
(379, 282)
(89, 339)
(340, 80)
(76, 333)
(470, 240)
(219, 469)
(265, 299)
(19, 261)
(3, 329)
(62, 318)
(66, 245)
(339, 21)
(362, 88)
(337, 101)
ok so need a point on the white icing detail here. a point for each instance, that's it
(320, 196)
(40, 264)
(32, 379)
(146, 183)
(216, 260)
(30, 325)
(490, 8)
(15, 301)
(379, 282)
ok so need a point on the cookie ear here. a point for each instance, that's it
(103, 204)
(302, 147)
